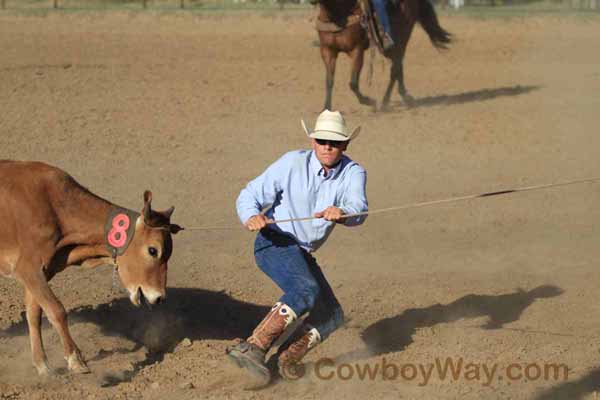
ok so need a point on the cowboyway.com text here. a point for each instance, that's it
(441, 369)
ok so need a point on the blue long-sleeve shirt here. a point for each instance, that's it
(296, 186)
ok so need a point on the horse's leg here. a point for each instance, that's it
(329, 56)
(357, 56)
(397, 75)
(35, 282)
(388, 92)
(398, 70)
(34, 321)
(398, 63)
(403, 24)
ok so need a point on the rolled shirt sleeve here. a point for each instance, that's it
(294, 187)
(354, 200)
(261, 191)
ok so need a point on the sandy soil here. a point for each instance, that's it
(193, 107)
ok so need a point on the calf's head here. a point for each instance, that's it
(143, 266)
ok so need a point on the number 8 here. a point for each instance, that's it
(117, 236)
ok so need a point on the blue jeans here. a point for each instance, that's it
(381, 10)
(297, 273)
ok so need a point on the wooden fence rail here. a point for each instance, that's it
(55, 4)
(592, 5)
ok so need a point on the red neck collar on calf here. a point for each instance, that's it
(119, 230)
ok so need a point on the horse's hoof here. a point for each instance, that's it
(76, 364)
(367, 101)
(408, 100)
(385, 108)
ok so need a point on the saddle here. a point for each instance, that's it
(361, 14)
(325, 24)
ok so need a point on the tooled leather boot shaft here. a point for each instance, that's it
(299, 347)
(272, 326)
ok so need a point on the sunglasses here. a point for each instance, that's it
(332, 143)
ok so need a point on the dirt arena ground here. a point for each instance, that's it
(193, 107)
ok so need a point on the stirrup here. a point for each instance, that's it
(387, 43)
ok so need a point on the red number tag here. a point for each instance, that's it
(117, 236)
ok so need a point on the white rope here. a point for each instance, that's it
(420, 204)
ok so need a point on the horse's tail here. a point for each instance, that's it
(439, 37)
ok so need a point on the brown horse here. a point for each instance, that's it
(351, 38)
(50, 222)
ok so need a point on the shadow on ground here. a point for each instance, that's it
(188, 313)
(394, 334)
(573, 390)
(471, 96)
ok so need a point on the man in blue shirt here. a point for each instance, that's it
(322, 183)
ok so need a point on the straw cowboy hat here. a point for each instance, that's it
(330, 125)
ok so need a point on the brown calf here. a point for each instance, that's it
(49, 222)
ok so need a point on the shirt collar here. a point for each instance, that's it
(314, 164)
(317, 168)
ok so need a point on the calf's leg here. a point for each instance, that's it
(34, 321)
(37, 286)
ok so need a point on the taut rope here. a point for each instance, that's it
(420, 204)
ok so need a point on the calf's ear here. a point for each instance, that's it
(147, 210)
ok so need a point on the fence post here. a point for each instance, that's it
(3, 4)
(182, 4)
(144, 3)
(55, 3)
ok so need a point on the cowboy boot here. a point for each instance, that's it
(290, 358)
(250, 354)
